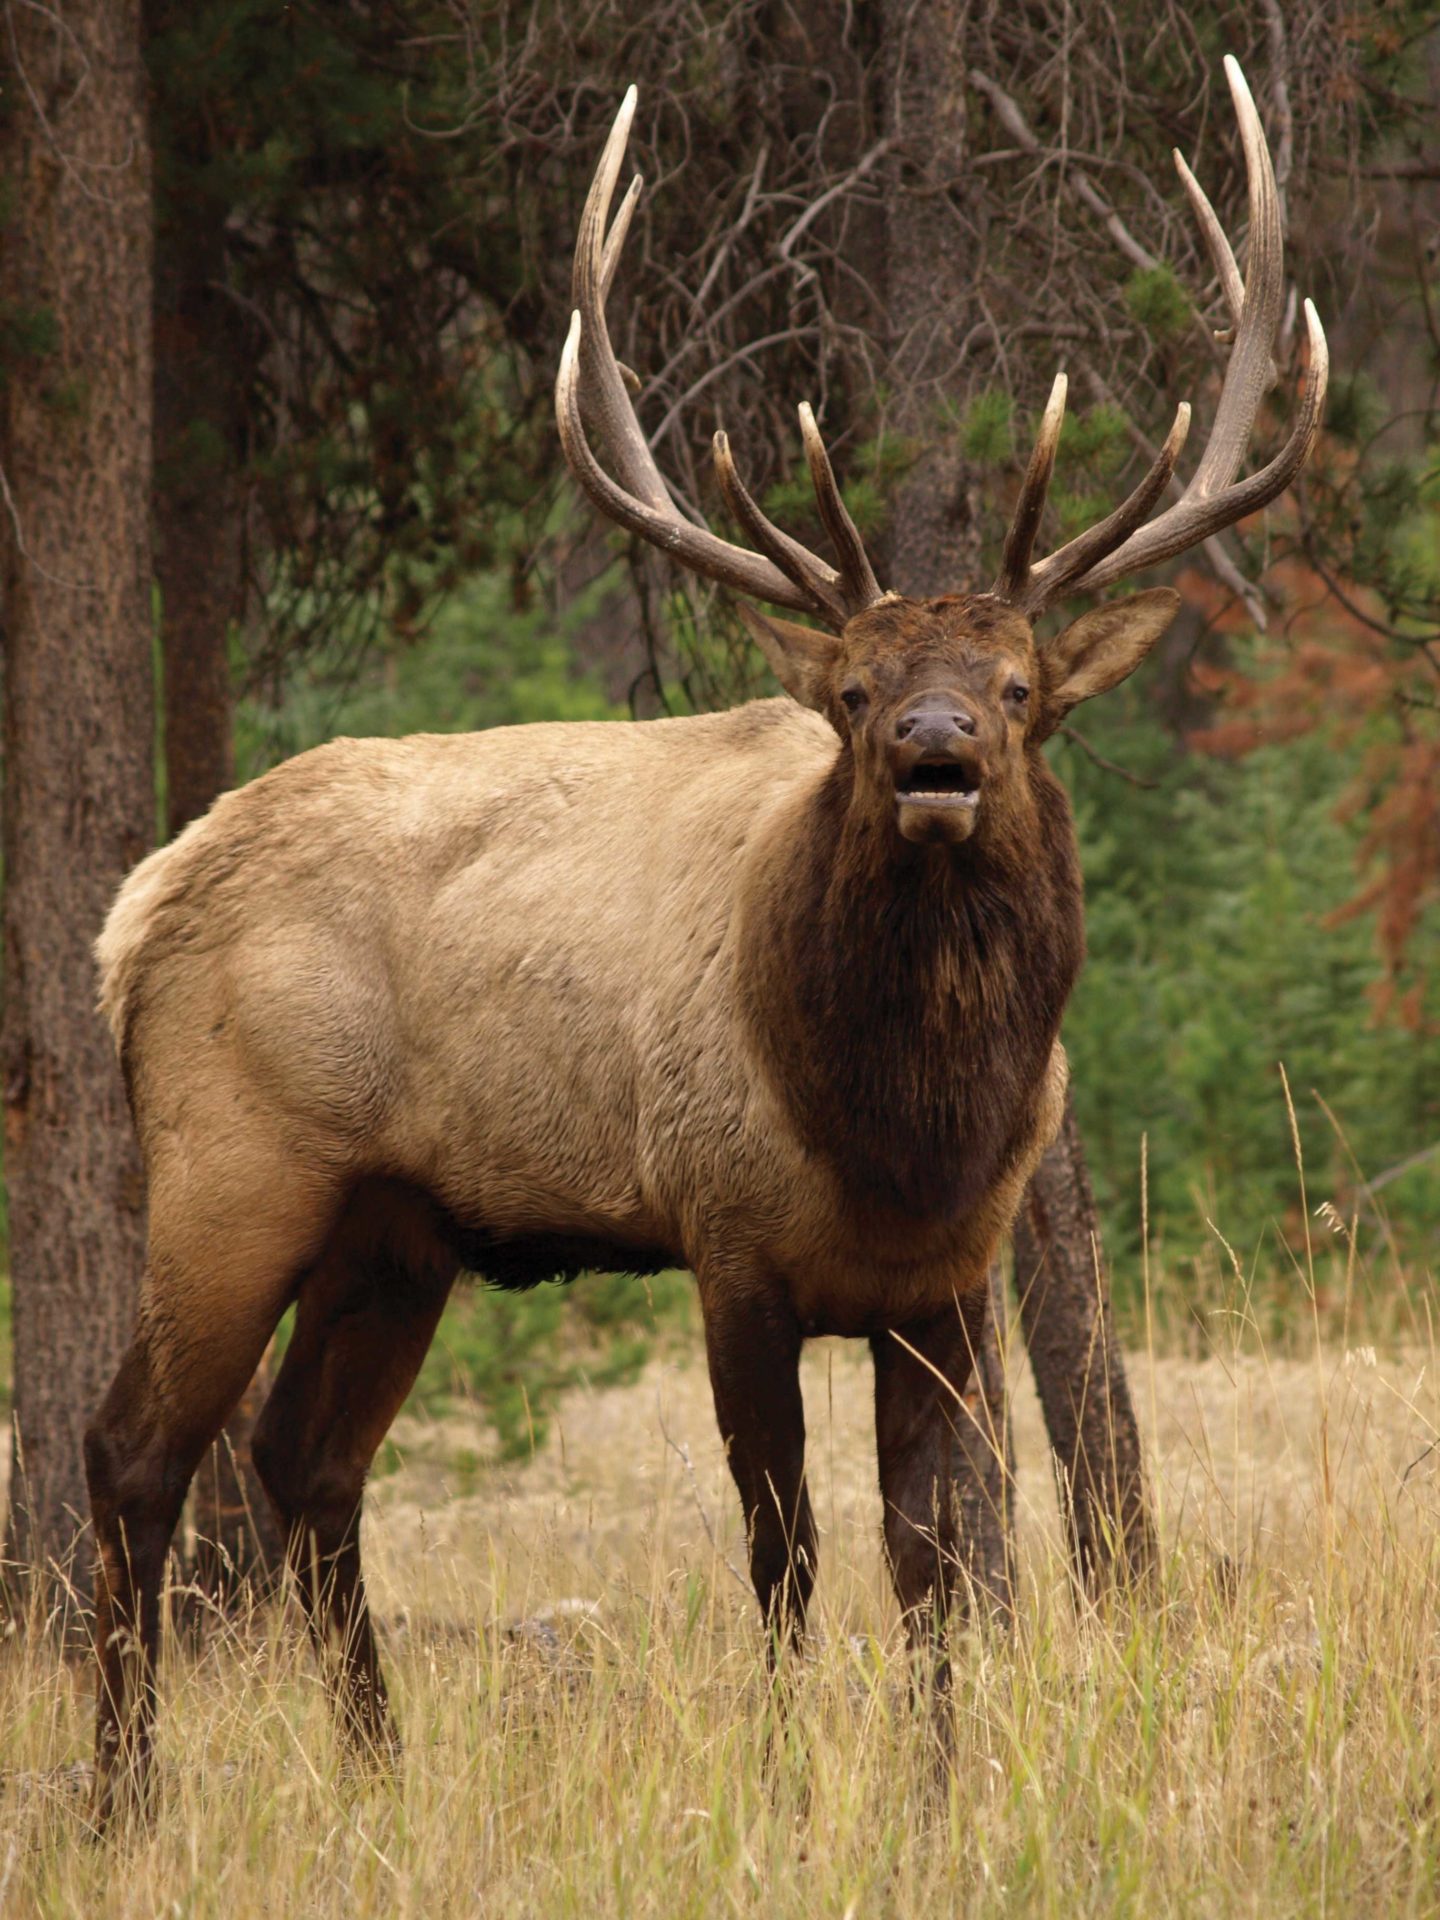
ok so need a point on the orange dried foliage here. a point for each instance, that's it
(1328, 669)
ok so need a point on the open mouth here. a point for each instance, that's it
(939, 783)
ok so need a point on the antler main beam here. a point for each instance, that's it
(783, 572)
(1124, 542)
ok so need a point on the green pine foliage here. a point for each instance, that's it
(513, 1354)
(987, 435)
(1214, 959)
(1158, 302)
(479, 661)
(1096, 439)
(369, 261)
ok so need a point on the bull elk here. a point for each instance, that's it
(773, 994)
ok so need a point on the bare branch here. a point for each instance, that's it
(1106, 766)
(1007, 112)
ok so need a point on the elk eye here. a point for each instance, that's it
(1018, 692)
(852, 698)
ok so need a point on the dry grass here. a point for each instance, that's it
(1257, 1743)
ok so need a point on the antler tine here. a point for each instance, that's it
(1208, 222)
(607, 401)
(857, 576)
(617, 236)
(1068, 562)
(1014, 572)
(797, 563)
(610, 260)
(1214, 499)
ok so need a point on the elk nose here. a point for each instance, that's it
(936, 728)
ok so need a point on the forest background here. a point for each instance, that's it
(361, 220)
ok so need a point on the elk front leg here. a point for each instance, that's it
(921, 1372)
(752, 1342)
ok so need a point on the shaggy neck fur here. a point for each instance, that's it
(908, 998)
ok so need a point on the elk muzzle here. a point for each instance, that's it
(939, 768)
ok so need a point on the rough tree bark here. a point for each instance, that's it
(203, 363)
(1079, 1369)
(934, 544)
(935, 532)
(79, 797)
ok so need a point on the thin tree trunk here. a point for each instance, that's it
(985, 1480)
(934, 531)
(1079, 1370)
(79, 796)
(202, 366)
(197, 564)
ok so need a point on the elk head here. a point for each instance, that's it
(940, 702)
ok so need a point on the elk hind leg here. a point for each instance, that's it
(204, 1318)
(365, 1319)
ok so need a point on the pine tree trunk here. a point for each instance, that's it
(1079, 1370)
(202, 366)
(79, 796)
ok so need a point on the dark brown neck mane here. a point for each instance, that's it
(908, 998)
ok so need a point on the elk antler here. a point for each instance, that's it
(782, 572)
(1120, 545)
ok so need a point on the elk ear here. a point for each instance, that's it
(800, 658)
(1102, 648)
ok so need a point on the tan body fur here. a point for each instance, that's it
(539, 1053)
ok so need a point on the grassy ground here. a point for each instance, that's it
(575, 1668)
